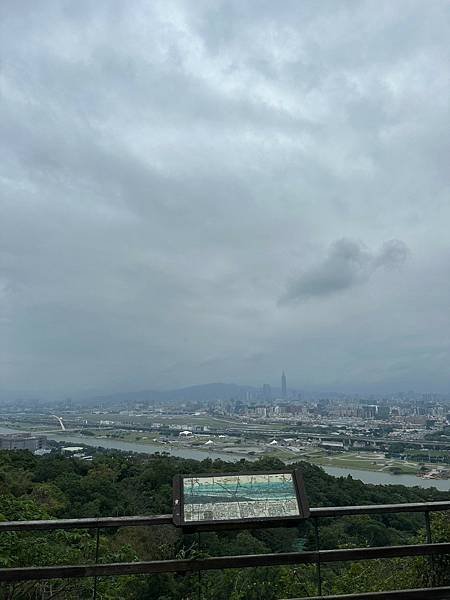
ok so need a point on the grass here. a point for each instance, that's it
(177, 420)
(363, 463)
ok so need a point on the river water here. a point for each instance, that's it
(148, 448)
(74, 440)
(376, 477)
(382, 478)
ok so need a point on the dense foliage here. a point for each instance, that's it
(116, 483)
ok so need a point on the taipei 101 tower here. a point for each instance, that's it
(283, 385)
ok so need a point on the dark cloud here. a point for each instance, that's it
(348, 263)
(166, 166)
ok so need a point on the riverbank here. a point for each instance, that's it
(364, 461)
(366, 476)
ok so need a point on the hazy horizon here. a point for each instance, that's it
(305, 392)
(215, 191)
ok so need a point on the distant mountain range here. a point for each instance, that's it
(202, 393)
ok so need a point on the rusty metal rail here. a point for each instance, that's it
(442, 593)
(86, 523)
(149, 521)
(195, 565)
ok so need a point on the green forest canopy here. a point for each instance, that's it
(117, 483)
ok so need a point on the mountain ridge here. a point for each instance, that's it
(201, 392)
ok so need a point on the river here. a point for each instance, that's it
(382, 478)
(148, 448)
(73, 440)
(375, 477)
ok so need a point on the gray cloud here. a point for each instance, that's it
(347, 264)
(166, 165)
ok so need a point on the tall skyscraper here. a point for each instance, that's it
(283, 385)
(267, 392)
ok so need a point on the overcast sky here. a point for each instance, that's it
(216, 190)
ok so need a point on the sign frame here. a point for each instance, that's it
(243, 523)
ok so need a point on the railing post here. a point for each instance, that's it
(97, 540)
(318, 566)
(430, 541)
(199, 575)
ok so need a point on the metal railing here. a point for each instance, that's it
(196, 565)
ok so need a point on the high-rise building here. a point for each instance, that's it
(266, 392)
(283, 385)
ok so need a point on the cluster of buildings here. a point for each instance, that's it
(23, 441)
(427, 410)
(267, 410)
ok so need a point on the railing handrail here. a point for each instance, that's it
(194, 565)
(155, 520)
(441, 593)
(372, 509)
(88, 523)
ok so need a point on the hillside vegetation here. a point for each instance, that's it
(116, 483)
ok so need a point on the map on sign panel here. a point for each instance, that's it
(228, 497)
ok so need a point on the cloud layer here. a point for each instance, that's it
(348, 263)
(170, 169)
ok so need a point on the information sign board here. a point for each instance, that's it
(239, 497)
